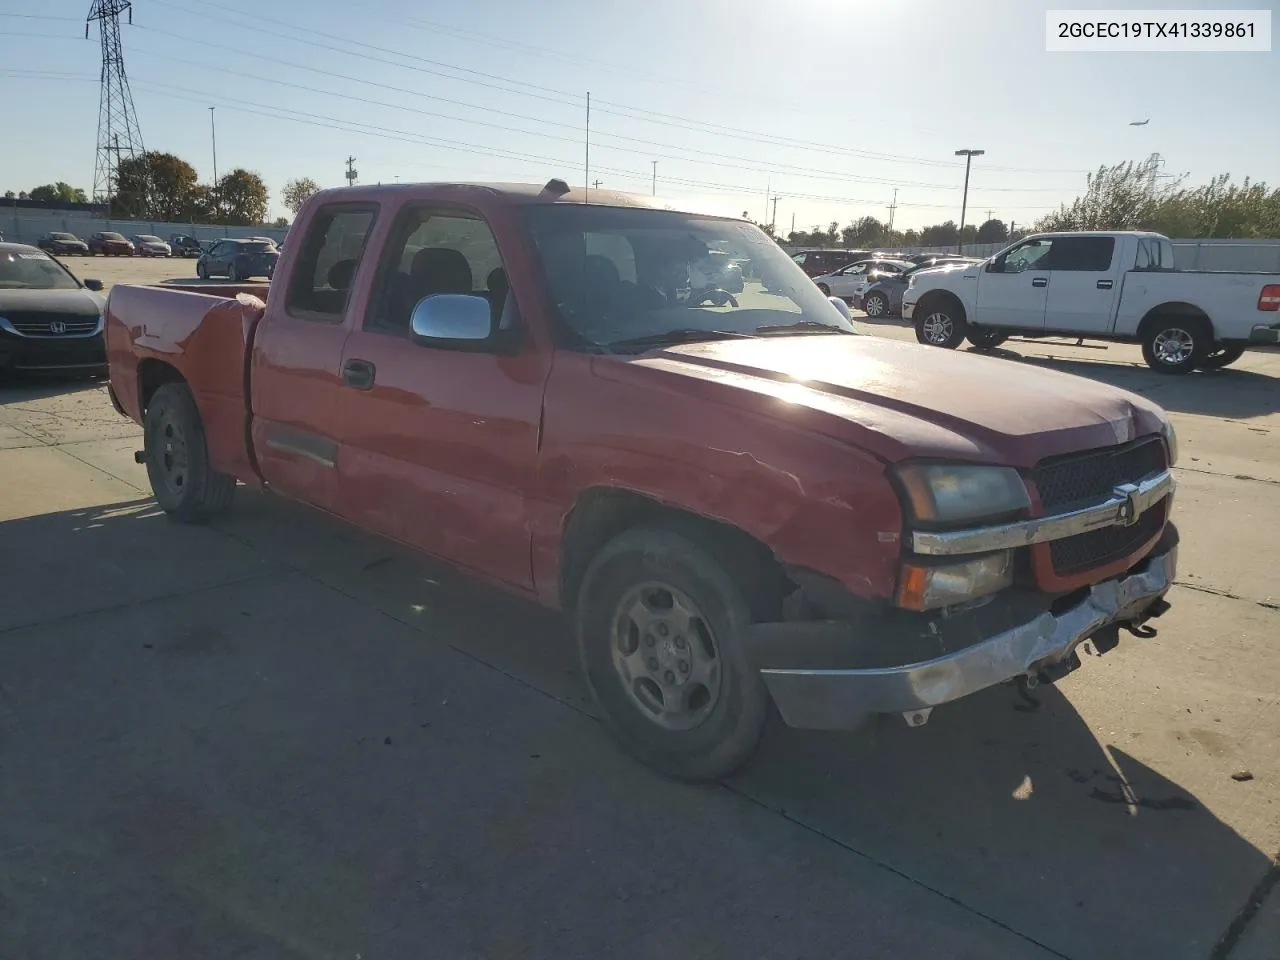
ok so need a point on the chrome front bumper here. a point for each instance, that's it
(841, 699)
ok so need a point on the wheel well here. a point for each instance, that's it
(152, 375)
(1183, 311)
(940, 297)
(603, 513)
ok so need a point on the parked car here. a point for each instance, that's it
(881, 295)
(146, 245)
(926, 258)
(816, 263)
(238, 260)
(49, 320)
(185, 246)
(843, 282)
(734, 504)
(1099, 286)
(63, 244)
(110, 244)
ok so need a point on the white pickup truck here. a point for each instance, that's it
(1098, 286)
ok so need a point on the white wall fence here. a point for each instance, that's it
(27, 226)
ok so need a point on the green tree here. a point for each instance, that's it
(945, 234)
(59, 192)
(241, 198)
(297, 192)
(10, 195)
(155, 186)
(280, 222)
(993, 231)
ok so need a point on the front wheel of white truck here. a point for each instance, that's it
(660, 624)
(177, 457)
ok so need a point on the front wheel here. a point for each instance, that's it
(940, 325)
(202, 271)
(660, 627)
(1176, 345)
(826, 291)
(1221, 357)
(875, 305)
(233, 274)
(177, 457)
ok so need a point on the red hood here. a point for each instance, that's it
(901, 400)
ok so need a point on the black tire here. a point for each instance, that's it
(233, 274)
(875, 305)
(982, 339)
(940, 323)
(730, 720)
(1221, 357)
(177, 457)
(202, 271)
(1176, 345)
(826, 291)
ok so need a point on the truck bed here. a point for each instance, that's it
(158, 335)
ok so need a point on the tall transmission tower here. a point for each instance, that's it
(119, 137)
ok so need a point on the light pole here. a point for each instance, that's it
(964, 204)
(655, 177)
(213, 135)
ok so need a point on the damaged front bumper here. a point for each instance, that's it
(1040, 648)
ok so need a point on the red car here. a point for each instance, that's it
(735, 497)
(110, 244)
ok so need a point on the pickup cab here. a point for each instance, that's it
(736, 498)
(1099, 286)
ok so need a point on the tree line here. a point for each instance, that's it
(870, 233)
(162, 186)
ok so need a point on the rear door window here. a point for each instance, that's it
(331, 251)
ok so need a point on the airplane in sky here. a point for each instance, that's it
(1139, 123)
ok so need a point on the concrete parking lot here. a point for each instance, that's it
(275, 737)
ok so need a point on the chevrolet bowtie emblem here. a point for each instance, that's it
(1127, 510)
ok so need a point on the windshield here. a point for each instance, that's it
(29, 270)
(621, 277)
(62, 236)
(112, 236)
(147, 238)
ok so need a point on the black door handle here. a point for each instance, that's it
(1040, 281)
(358, 374)
(1104, 284)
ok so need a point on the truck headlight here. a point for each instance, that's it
(1171, 441)
(929, 587)
(951, 493)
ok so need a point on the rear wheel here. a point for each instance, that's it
(660, 632)
(1176, 344)
(940, 324)
(826, 291)
(983, 339)
(1221, 357)
(202, 271)
(233, 274)
(177, 457)
(875, 305)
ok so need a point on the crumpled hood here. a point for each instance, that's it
(902, 400)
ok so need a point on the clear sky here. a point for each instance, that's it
(831, 103)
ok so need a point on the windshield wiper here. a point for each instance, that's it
(682, 335)
(801, 326)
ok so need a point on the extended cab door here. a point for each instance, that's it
(439, 441)
(1083, 284)
(295, 374)
(1012, 289)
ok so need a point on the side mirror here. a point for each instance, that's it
(995, 266)
(94, 285)
(842, 307)
(451, 319)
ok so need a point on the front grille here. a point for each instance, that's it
(1099, 547)
(1082, 478)
(42, 324)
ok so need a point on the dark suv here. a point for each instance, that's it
(184, 246)
(815, 263)
(238, 260)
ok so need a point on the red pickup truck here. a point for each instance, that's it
(737, 498)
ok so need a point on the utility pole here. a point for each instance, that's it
(773, 221)
(655, 177)
(793, 222)
(213, 137)
(964, 204)
(596, 184)
(119, 136)
(893, 208)
(352, 172)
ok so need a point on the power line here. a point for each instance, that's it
(551, 94)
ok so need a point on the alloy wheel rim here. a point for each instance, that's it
(1173, 346)
(938, 328)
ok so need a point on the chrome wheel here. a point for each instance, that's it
(1173, 346)
(938, 328)
(875, 306)
(666, 656)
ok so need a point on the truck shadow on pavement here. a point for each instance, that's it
(1009, 807)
